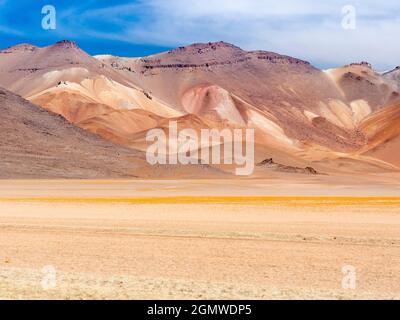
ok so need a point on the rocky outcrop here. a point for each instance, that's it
(270, 164)
(278, 59)
(66, 44)
(195, 66)
(19, 47)
(215, 54)
(361, 64)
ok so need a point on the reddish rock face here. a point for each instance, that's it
(66, 44)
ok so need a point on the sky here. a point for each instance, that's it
(328, 33)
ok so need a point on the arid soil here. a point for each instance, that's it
(194, 239)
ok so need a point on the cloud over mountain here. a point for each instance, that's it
(306, 29)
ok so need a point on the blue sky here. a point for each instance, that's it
(307, 29)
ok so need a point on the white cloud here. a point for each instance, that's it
(264, 8)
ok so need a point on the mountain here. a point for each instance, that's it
(63, 74)
(365, 88)
(302, 116)
(36, 143)
(307, 113)
(382, 130)
(393, 76)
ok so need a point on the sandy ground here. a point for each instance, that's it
(142, 240)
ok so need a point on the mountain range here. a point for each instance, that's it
(69, 114)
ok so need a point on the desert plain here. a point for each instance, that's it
(199, 239)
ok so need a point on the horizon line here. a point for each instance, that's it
(198, 43)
